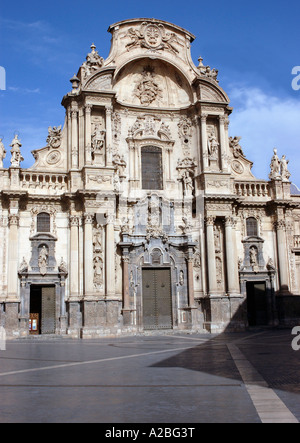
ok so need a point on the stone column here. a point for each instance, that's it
(88, 135)
(126, 294)
(12, 271)
(74, 146)
(231, 258)
(204, 142)
(88, 254)
(282, 256)
(108, 114)
(110, 256)
(190, 266)
(223, 150)
(74, 257)
(211, 256)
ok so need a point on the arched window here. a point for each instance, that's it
(252, 228)
(43, 222)
(152, 177)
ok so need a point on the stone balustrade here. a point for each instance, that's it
(44, 181)
(252, 189)
(297, 241)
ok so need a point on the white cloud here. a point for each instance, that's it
(24, 90)
(264, 122)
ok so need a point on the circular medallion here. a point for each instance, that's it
(152, 36)
(237, 167)
(53, 157)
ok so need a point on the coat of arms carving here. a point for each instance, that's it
(148, 90)
(153, 37)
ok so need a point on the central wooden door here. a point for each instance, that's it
(157, 299)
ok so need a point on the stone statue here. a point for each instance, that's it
(93, 62)
(43, 260)
(63, 267)
(253, 257)
(187, 183)
(213, 146)
(98, 271)
(54, 137)
(120, 164)
(16, 156)
(275, 166)
(98, 137)
(285, 174)
(270, 265)
(207, 71)
(2, 152)
(234, 143)
(23, 266)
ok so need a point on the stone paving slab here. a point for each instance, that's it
(146, 379)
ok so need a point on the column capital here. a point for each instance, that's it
(210, 220)
(280, 225)
(88, 217)
(74, 220)
(13, 219)
(109, 109)
(229, 221)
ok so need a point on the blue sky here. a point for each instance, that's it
(254, 45)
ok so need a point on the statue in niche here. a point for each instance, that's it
(97, 240)
(43, 260)
(213, 145)
(217, 236)
(98, 271)
(2, 152)
(98, 140)
(16, 156)
(275, 166)
(253, 257)
(187, 183)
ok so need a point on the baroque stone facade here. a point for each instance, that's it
(141, 213)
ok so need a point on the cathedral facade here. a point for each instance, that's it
(141, 213)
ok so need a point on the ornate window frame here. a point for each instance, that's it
(49, 209)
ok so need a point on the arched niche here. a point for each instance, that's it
(152, 83)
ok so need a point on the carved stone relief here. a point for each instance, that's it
(152, 37)
(147, 88)
(98, 277)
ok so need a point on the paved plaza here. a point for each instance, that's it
(251, 377)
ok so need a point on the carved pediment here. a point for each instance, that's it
(209, 93)
(101, 82)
